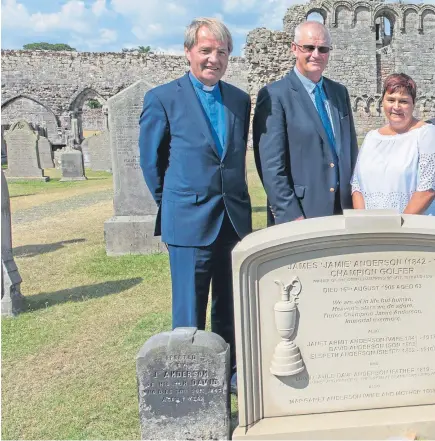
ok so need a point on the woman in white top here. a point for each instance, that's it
(396, 163)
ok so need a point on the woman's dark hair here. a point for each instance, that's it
(401, 83)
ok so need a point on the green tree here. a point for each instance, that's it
(144, 49)
(48, 47)
(94, 104)
(141, 49)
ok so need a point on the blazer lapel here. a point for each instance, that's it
(229, 116)
(194, 110)
(305, 101)
(333, 105)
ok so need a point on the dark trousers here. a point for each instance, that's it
(192, 270)
(337, 203)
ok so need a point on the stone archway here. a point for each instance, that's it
(24, 107)
(87, 108)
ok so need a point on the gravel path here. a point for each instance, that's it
(56, 207)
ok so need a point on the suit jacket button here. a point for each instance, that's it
(224, 194)
(332, 165)
(222, 165)
(331, 190)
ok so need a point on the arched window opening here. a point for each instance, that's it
(316, 16)
(384, 31)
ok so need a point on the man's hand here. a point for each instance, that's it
(299, 218)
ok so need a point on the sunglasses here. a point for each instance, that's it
(311, 48)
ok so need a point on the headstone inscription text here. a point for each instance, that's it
(364, 326)
(183, 388)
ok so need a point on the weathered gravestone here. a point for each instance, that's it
(71, 163)
(183, 378)
(131, 230)
(4, 154)
(335, 328)
(99, 152)
(85, 151)
(23, 156)
(45, 153)
(11, 297)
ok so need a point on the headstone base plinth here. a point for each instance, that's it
(27, 178)
(77, 178)
(390, 423)
(132, 235)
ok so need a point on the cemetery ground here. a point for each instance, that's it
(68, 361)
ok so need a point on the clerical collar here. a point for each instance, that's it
(200, 85)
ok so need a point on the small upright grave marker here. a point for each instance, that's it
(45, 153)
(71, 163)
(183, 380)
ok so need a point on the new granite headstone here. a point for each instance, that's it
(11, 297)
(335, 329)
(183, 390)
(23, 156)
(99, 152)
(131, 230)
(45, 153)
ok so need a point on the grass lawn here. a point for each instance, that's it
(68, 361)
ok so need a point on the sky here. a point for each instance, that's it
(110, 25)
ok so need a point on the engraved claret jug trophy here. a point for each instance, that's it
(287, 360)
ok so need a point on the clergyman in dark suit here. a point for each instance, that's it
(304, 137)
(193, 136)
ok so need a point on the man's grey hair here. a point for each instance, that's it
(300, 27)
(215, 26)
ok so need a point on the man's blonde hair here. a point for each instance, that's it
(215, 26)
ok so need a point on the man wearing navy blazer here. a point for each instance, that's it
(304, 137)
(193, 136)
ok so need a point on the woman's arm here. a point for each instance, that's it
(358, 200)
(419, 202)
(425, 191)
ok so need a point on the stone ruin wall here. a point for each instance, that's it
(46, 88)
(358, 60)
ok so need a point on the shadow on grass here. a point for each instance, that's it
(79, 294)
(20, 195)
(90, 178)
(34, 250)
(259, 209)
